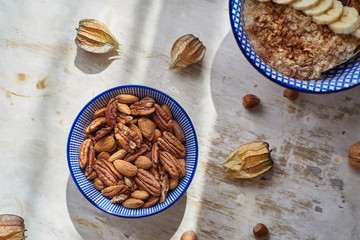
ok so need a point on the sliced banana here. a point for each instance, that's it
(331, 15)
(348, 22)
(283, 2)
(304, 4)
(356, 33)
(320, 8)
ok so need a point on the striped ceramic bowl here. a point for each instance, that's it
(342, 77)
(76, 137)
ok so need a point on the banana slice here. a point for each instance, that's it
(320, 8)
(304, 4)
(283, 2)
(348, 22)
(356, 33)
(331, 15)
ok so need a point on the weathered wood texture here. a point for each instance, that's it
(311, 193)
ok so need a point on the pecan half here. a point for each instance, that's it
(111, 167)
(164, 182)
(86, 152)
(143, 107)
(92, 175)
(98, 184)
(171, 164)
(119, 199)
(151, 202)
(132, 156)
(89, 136)
(126, 137)
(124, 119)
(148, 182)
(95, 124)
(107, 174)
(91, 160)
(170, 143)
(155, 154)
(100, 113)
(155, 173)
(162, 120)
(130, 182)
(102, 133)
(110, 113)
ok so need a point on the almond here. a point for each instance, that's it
(143, 162)
(112, 191)
(105, 144)
(132, 203)
(147, 128)
(126, 98)
(167, 110)
(125, 168)
(104, 155)
(138, 194)
(137, 130)
(157, 134)
(178, 131)
(123, 108)
(118, 155)
(173, 183)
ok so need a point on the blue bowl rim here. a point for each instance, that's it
(126, 87)
(277, 82)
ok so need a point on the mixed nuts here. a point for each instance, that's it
(133, 152)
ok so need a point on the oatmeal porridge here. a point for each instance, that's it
(288, 41)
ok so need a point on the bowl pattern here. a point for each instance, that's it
(339, 78)
(76, 137)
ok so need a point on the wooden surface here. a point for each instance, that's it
(311, 193)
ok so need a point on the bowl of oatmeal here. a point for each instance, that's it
(290, 49)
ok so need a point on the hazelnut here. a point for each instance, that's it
(261, 231)
(189, 235)
(354, 155)
(250, 101)
(290, 94)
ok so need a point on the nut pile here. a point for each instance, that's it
(133, 151)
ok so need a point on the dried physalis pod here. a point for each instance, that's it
(94, 36)
(187, 50)
(12, 227)
(248, 161)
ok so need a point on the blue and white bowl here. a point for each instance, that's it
(342, 77)
(76, 137)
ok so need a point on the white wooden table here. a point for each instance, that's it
(311, 193)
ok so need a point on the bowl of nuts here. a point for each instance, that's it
(132, 151)
(305, 45)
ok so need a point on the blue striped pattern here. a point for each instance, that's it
(339, 78)
(76, 138)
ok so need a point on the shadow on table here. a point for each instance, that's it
(92, 223)
(313, 132)
(92, 63)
